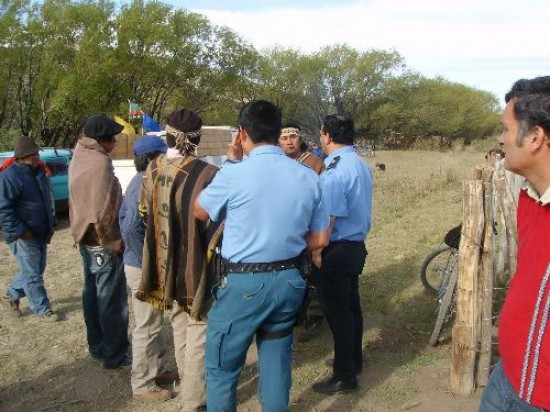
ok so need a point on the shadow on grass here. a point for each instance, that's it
(82, 385)
(397, 316)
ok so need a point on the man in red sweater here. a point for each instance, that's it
(521, 380)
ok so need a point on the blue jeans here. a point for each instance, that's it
(500, 396)
(243, 305)
(105, 305)
(30, 256)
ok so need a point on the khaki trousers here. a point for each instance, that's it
(189, 346)
(148, 346)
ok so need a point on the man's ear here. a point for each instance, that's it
(538, 138)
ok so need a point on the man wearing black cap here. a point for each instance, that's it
(27, 219)
(95, 196)
(174, 266)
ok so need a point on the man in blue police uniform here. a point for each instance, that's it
(347, 193)
(273, 210)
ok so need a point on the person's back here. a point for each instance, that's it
(273, 210)
(95, 196)
(292, 190)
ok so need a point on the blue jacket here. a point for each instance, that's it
(132, 228)
(25, 203)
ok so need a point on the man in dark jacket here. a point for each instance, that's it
(27, 219)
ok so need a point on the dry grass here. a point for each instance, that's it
(418, 198)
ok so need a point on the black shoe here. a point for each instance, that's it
(125, 362)
(332, 385)
(330, 361)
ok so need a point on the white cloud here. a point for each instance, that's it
(484, 43)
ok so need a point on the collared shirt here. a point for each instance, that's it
(269, 202)
(543, 200)
(347, 193)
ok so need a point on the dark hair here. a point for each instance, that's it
(141, 161)
(170, 140)
(531, 104)
(261, 120)
(291, 124)
(340, 128)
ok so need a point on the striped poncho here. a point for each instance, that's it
(175, 264)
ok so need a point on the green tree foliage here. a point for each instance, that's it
(414, 107)
(63, 60)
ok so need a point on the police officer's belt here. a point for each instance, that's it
(231, 267)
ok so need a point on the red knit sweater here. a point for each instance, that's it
(524, 336)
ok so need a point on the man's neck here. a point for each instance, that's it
(333, 147)
(247, 150)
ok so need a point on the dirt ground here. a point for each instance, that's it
(46, 367)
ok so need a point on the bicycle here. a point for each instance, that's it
(439, 275)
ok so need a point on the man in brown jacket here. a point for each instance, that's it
(95, 196)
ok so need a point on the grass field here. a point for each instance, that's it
(417, 199)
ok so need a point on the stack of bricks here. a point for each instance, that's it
(124, 147)
(214, 140)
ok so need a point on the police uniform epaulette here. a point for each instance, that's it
(334, 162)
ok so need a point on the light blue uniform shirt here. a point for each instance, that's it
(347, 193)
(270, 202)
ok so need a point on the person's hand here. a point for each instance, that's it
(316, 258)
(26, 235)
(235, 150)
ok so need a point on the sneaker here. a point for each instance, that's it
(154, 395)
(167, 377)
(13, 307)
(50, 317)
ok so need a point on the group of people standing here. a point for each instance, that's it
(268, 213)
(223, 250)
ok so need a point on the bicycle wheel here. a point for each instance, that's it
(435, 267)
(445, 304)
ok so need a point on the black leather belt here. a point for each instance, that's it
(231, 267)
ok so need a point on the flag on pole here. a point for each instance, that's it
(150, 124)
(134, 110)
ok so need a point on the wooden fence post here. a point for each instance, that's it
(463, 355)
(486, 283)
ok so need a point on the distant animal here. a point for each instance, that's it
(380, 166)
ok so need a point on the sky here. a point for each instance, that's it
(486, 44)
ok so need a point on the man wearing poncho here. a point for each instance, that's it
(175, 267)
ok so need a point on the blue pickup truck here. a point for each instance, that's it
(57, 161)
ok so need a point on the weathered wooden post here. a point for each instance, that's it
(464, 347)
(486, 282)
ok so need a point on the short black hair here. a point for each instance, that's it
(141, 161)
(262, 121)
(532, 104)
(291, 124)
(340, 128)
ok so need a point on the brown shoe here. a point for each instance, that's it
(154, 395)
(13, 307)
(167, 377)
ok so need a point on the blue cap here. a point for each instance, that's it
(149, 144)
